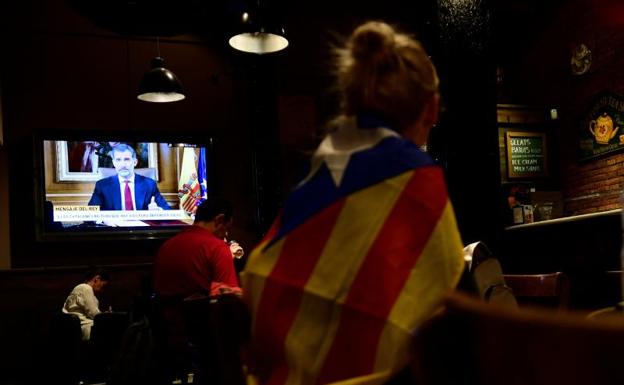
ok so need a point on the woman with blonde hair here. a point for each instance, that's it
(366, 244)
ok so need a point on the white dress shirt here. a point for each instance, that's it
(83, 303)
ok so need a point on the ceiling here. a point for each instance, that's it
(515, 22)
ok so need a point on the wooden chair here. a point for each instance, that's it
(608, 294)
(474, 342)
(219, 327)
(106, 336)
(550, 290)
(200, 335)
(65, 349)
(612, 287)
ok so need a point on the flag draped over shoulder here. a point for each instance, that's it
(188, 185)
(360, 255)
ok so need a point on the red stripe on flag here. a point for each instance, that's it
(273, 229)
(383, 273)
(189, 203)
(283, 290)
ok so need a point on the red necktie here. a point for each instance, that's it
(128, 197)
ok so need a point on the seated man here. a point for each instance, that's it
(193, 265)
(83, 302)
(127, 190)
(198, 260)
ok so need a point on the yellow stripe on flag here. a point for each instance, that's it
(437, 270)
(314, 328)
(369, 379)
(188, 166)
(186, 174)
(258, 268)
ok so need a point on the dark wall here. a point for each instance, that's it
(466, 138)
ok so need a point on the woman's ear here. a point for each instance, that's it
(431, 111)
(418, 132)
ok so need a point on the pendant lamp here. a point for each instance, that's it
(159, 85)
(259, 33)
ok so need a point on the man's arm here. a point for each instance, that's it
(223, 266)
(89, 303)
(151, 189)
(160, 200)
(96, 197)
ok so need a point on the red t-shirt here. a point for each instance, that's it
(189, 262)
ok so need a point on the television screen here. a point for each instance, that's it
(110, 185)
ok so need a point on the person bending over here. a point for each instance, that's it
(83, 302)
(198, 259)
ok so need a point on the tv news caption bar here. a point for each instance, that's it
(93, 213)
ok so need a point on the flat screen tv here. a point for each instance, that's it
(91, 185)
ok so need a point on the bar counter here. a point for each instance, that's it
(584, 247)
(616, 212)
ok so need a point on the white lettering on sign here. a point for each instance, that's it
(526, 153)
(520, 142)
(93, 213)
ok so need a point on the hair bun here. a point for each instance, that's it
(372, 41)
(384, 71)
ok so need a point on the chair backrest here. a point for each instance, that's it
(551, 290)
(612, 286)
(64, 348)
(487, 275)
(106, 336)
(490, 281)
(107, 331)
(487, 344)
(220, 327)
(65, 328)
(149, 172)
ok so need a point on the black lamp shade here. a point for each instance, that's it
(258, 34)
(159, 85)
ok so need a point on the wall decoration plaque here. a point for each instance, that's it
(526, 154)
(581, 60)
(601, 130)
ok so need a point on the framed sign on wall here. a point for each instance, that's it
(526, 154)
(601, 128)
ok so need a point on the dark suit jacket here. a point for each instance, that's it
(107, 193)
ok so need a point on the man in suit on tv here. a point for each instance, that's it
(127, 190)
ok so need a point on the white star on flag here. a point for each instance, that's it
(337, 147)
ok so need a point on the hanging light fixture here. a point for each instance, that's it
(159, 85)
(258, 33)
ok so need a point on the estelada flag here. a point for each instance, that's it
(353, 264)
